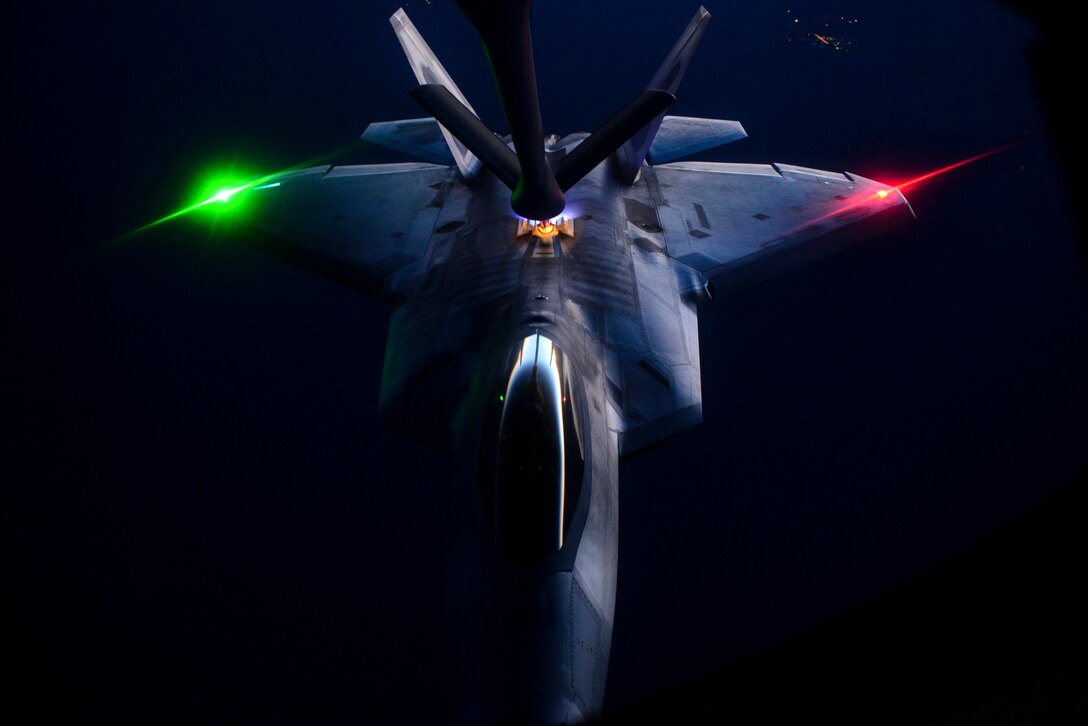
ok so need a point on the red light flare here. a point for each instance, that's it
(965, 162)
(883, 193)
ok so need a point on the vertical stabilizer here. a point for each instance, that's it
(428, 70)
(668, 77)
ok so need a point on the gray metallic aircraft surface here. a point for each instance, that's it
(538, 347)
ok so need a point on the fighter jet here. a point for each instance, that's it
(545, 292)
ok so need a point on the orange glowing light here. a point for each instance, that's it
(883, 193)
(546, 230)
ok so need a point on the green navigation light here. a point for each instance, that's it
(222, 197)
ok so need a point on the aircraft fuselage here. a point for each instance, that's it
(547, 618)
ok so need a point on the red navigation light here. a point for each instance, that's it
(883, 194)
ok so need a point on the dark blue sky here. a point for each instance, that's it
(206, 512)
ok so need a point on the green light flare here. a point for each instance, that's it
(224, 198)
(226, 194)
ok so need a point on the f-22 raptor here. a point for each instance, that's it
(545, 325)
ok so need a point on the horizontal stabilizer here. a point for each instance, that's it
(668, 77)
(612, 135)
(469, 131)
(681, 136)
(428, 69)
(420, 137)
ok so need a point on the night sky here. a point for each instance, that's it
(203, 517)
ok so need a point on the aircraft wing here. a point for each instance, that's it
(739, 224)
(366, 227)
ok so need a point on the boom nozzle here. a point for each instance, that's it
(503, 26)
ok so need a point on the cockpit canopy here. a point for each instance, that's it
(527, 488)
